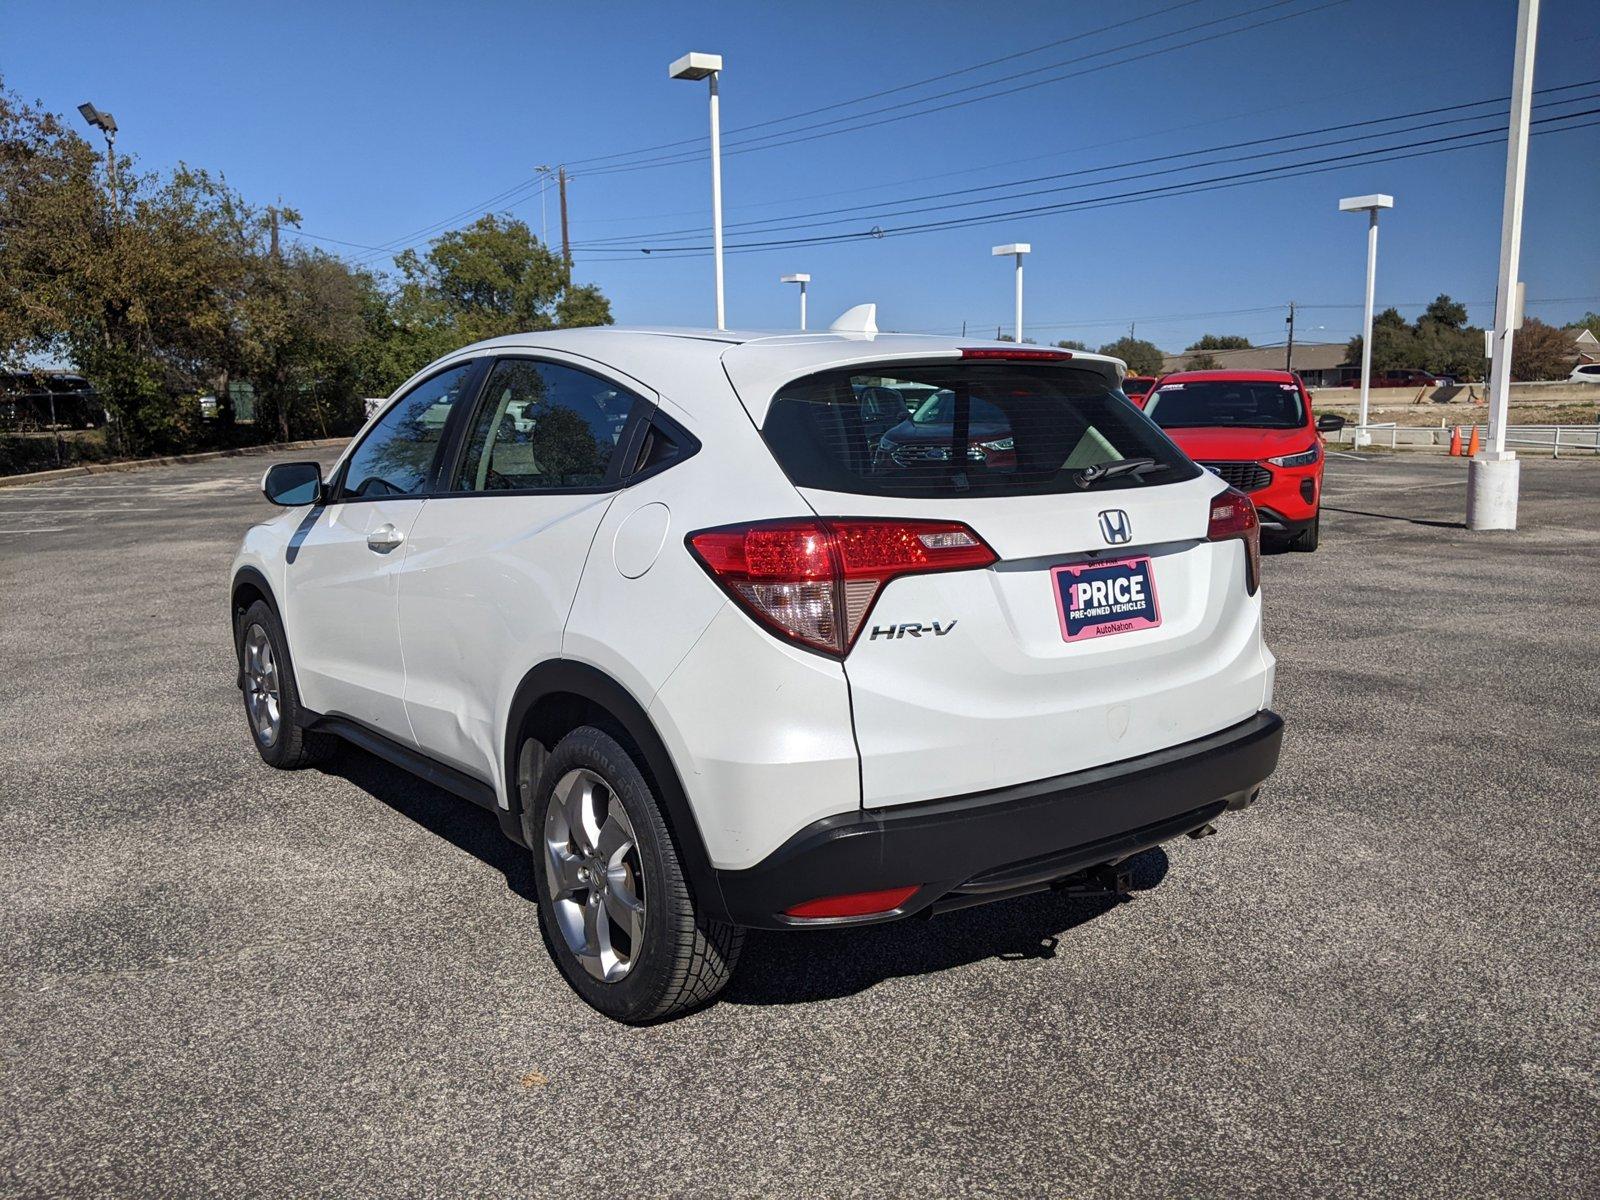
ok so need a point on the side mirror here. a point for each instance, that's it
(1329, 422)
(292, 484)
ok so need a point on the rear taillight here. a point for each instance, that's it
(815, 581)
(1233, 515)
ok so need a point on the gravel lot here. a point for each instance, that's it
(219, 979)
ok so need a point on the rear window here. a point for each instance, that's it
(1216, 402)
(966, 428)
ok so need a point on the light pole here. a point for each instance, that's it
(106, 124)
(1369, 205)
(1016, 249)
(708, 67)
(1493, 475)
(802, 280)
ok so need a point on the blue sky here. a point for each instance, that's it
(378, 120)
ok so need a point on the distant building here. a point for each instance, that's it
(1320, 364)
(1588, 346)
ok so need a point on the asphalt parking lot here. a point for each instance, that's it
(219, 979)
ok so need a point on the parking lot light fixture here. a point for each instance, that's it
(107, 125)
(1017, 250)
(692, 66)
(1369, 205)
(802, 280)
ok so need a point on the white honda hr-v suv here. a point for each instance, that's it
(742, 630)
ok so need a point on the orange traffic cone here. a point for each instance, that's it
(1472, 446)
(1455, 442)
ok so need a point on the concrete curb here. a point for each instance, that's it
(137, 464)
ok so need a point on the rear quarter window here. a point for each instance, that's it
(978, 429)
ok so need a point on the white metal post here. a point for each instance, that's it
(1492, 477)
(1019, 299)
(1016, 250)
(716, 194)
(1366, 321)
(802, 280)
(1369, 205)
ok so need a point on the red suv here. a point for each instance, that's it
(1256, 430)
(1137, 387)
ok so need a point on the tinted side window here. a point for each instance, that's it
(396, 458)
(542, 426)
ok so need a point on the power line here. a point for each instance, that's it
(778, 224)
(525, 186)
(786, 138)
(1261, 175)
(904, 87)
(951, 171)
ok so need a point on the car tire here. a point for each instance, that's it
(633, 944)
(271, 700)
(1306, 540)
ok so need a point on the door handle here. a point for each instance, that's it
(384, 539)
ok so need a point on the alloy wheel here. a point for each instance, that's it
(594, 875)
(263, 698)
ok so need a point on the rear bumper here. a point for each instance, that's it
(969, 849)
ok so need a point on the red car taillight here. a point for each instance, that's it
(1233, 515)
(815, 581)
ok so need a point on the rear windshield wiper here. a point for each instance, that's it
(1095, 472)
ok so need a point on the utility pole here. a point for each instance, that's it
(272, 215)
(1493, 475)
(1288, 355)
(566, 244)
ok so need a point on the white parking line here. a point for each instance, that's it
(46, 529)
(1416, 487)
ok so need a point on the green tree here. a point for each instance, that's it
(1204, 361)
(1589, 321)
(1440, 341)
(166, 290)
(1142, 357)
(134, 290)
(301, 325)
(1445, 311)
(1221, 341)
(1071, 344)
(1392, 342)
(1540, 351)
(491, 279)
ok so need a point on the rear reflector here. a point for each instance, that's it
(856, 904)
(814, 581)
(1020, 354)
(1233, 515)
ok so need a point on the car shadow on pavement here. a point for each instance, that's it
(783, 968)
(796, 968)
(1357, 512)
(459, 822)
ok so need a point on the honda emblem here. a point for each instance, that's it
(1116, 527)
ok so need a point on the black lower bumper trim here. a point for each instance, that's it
(1271, 518)
(993, 844)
